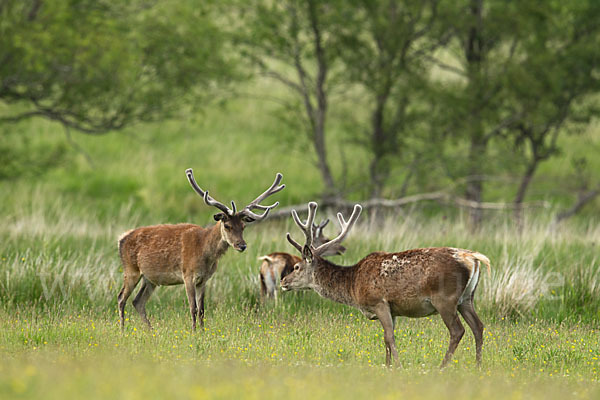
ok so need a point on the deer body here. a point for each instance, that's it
(408, 281)
(413, 283)
(162, 255)
(274, 267)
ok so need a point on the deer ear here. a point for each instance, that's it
(307, 254)
(219, 216)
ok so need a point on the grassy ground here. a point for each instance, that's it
(60, 274)
(59, 334)
(271, 353)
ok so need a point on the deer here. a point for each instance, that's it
(413, 283)
(174, 254)
(275, 266)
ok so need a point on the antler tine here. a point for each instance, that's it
(204, 194)
(293, 242)
(305, 227)
(323, 223)
(346, 226)
(318, 229)
(274, 188)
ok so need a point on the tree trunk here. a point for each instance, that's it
(379, 145)
(474, 54)
(321, 112)
(474, 189)
(525, 181)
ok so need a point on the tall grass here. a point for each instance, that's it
(55, 256)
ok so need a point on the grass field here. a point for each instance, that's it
(59, 333)
(269, 355)
(60, 275)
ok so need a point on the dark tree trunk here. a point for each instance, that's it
(320, 114)
(474, 54)
(379, 143)
(525, 181)
(474, 189)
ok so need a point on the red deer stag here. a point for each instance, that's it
(413, 283)
(276, 266)
(184, 253)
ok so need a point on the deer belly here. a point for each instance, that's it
(416, 308)
(163, 277)
(160, 267)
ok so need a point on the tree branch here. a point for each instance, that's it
(582, 200)
(78, 148)
(439, 196)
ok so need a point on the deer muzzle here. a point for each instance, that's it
(240, 247)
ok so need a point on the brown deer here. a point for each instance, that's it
(413, 283)
(184, 253)
(276, 266)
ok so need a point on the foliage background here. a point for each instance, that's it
(160, 87)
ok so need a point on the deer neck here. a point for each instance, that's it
(215, 241)
(334, 282)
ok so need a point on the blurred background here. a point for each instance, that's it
(443, 108)
(463, 123)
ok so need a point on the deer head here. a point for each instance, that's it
(232, 222)
(302, 277)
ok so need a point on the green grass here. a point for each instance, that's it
(274, 352)
(60, 275)
(59, 333)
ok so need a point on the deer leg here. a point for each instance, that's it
(190, 289)
(467, 310)
(142, 297)
(387, 321)
(456, 329)
(200, 289)
(270, 283)
(130, 280)
(274, 280)
(263, 288)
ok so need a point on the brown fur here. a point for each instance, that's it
(275, 266)
(185, 253)
(414, 283)
(175, 254)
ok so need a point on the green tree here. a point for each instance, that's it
(552, 83)
(521, 72)
(321, 49)
(292, 42)
(385, 48)
(97, 66)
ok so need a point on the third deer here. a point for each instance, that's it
(275, 266)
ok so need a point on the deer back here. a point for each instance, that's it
(279, 264)
(164, 253)
(407, 279)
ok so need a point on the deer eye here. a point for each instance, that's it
(296, 267)
(227, 226)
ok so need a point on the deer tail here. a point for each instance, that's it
(481, 258)
(266, 258)
(122, 240)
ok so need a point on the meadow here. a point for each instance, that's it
(60, 334)
(60, 275)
